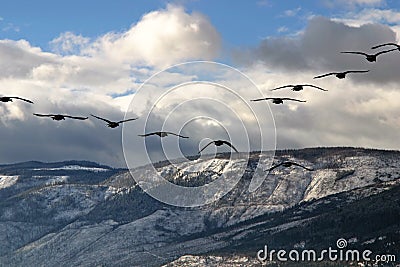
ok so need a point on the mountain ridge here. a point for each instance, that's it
(67, 215)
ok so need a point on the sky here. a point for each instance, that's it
(94, 57)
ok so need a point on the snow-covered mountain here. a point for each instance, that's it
(85, 214)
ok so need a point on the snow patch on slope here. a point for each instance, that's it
(7, 181)
(73, 168)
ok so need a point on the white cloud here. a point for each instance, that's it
(69, 43)
(19, 57)
(161, 38)
(291, 12)
(364, 2)
(282, 29)
(10, 27)
(106, 64)
(355, 3)
(372, 15)
(266, 3)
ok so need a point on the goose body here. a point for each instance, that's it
(278, 100)
(288, 164)
(369, 57)
(341, 75)
(59, 117)
(298, 87)
(112, 124)
(219, 143)
(162, 134)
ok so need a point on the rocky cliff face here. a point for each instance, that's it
(85, 214)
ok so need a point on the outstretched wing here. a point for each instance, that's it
(43, 115)
(292, 99)
(261, 99)
(177, 134)
(304, 167)
(316, 87)
(75, 118)
(286, 86)
(386, 51)
(357, 53)
(23, 99)
(274, 167)
(386, 44)
(128, 120)
(205, 146)
(356, 71)
(324, 75)
(148, 134)
(229, 144)
(103, 119)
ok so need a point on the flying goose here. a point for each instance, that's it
(387, 44)
(369, 57)
(59, 117)
(219, 143)
(277, 100)
(10, 99)
(288, 164)
(298, 87)
(341, 75)
(113, 124)
(162, 134)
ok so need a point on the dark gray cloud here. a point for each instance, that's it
(43, 139)
(318, 48)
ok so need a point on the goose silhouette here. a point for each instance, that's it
(369, 57)
(288, 164)
(112, 124)
(218, 143)
(10, 99)
(341, 75)
(162, 134)
(59, 117)
(387, 44)
(277, 100)
(298, 87)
